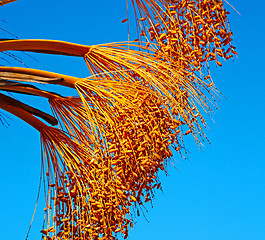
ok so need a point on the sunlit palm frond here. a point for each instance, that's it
(84, 199)
(139, 103)
(190, 33)
(171, 83)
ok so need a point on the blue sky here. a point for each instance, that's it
(218, 194)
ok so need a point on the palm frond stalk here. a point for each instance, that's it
(4, 2)
(141, 100)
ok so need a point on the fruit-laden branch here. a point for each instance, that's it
(130, 114)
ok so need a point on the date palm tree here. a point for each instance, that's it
(102, 150)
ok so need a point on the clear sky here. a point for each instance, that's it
(219, 194)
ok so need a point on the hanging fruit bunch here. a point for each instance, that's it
(188, 33)
(105, 147)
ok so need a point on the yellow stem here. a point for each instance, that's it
(28, 90)
(68, 81)
(24, 115)
(3, 2)
(45, 46)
